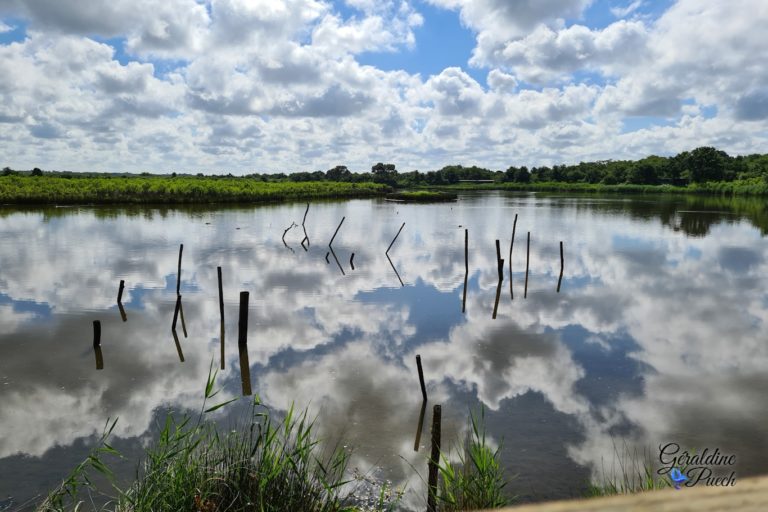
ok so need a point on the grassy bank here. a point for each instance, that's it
(167, 190)
(263, 465)
(422, 196)
(753, 186)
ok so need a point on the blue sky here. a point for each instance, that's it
(201, 85)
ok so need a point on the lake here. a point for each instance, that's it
(658, 333)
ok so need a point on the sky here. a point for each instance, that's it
(246, 86)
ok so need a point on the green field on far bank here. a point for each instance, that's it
(171, 190)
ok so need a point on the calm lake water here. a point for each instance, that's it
(658, 333)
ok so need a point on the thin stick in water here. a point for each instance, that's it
(176, 312)
(352, 261)
(393, 240)
(421, 378)
(120, 291)
(96, 333)
(337, 230)
(420, 426)
(178, 273)
(242, 324)
(498, 288)
(221, 315)
(562, 264)
(434, 460)
(466, 270)
(527, 259)
(511, 245)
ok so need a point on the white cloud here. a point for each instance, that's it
(278, 85)
(622, 12)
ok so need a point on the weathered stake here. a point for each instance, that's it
(434, 460)
(393, 240)
(178, 273)
(527, 259)
(498, 288)
(511, 245)
(245, 369)
(420, 426)
(96, 333)
(99, 358)
(242, 324)
(421, 378)
(221, 294)
(221, 315)
(337, 230)
(466, 270)
(498, 252)
(176, 312)
(560, 279)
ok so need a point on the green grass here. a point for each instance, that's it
(166, 190)
(422, 196)
(751, 186)
(263, 465)
(630, 472)
(476, 481)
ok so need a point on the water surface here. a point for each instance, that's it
(657, 335)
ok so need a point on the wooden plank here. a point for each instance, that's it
(748, 495)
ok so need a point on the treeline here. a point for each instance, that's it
(700, 166)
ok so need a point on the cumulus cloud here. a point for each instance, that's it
(280, 85)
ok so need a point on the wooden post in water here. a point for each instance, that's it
(99, 358)
(120, 291)
(393, 240)
(181, 314)
(434, 460)
(96, 334)
(178, 273)
(498, 288)
(221, 295)
(176, 312)
(560, 279)
(466, 270)
(242, 324)
(221, 315)
(245, 369)
(337, 230)
(527, 259)
(498, 253)
(511, 245)
(420, 426)
(421, 378)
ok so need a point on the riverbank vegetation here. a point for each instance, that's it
(422, 196)
(704, 170)
(262, 464)
(90, 189)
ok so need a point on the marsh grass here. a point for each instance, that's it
(477, 480)
(166, 190)
(264, 465)
(631, 471)
(422, 196)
